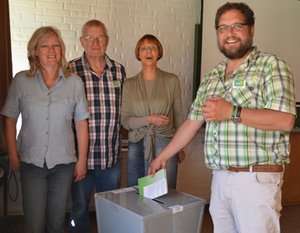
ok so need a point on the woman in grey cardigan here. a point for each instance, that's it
(151, 111)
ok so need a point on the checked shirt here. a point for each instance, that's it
(263, 81)
(104, 100)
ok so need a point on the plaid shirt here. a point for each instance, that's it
(261, 81)
(104, 99)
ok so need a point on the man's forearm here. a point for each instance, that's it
(266, 119)
(182, 137)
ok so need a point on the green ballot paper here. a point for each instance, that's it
(153, 186)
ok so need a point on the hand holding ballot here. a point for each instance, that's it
(156, 165)
(153, 186)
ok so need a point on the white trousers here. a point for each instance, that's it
(246, 202)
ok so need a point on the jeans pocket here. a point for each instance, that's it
(268, 178)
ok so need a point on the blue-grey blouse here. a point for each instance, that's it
(46, 134)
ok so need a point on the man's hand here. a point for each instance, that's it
(216, 109)
(156, 165)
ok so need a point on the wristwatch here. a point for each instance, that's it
(236, 114)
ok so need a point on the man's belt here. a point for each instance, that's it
(258, 168)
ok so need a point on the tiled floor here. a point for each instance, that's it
(290, 222)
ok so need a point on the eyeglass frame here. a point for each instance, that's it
(236, 27)
(90, 38)
(151, 48)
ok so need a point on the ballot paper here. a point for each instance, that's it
(153, 186)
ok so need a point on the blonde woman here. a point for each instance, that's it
(48, 97)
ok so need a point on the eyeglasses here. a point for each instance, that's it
(151, 48)
(236, 27)
(100, 38)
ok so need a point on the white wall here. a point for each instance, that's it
(172, 21)
(277, 31)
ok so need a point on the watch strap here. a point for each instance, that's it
(233, 111)
(236, 114)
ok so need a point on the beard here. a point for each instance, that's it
(239, 52)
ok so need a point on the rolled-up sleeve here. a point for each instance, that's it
(81, 110)
(11, 107)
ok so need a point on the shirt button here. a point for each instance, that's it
(47, 133)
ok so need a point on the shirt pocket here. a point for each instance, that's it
(70, 104)
(110, 94)
(27, 106)
(62, 108)
(249, 95)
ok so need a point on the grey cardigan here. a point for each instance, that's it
(165, 99)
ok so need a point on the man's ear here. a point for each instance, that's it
(81, 41)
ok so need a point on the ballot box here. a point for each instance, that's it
(125, 211)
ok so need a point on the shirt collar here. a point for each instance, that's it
(38, 74)
(250, 60)
(39, 77)
(252, 57)
(106, 57)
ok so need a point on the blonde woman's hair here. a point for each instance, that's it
(36, 40)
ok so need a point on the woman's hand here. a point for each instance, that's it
(158, 120)
(80, 170)
(181, 156)
(14, 163)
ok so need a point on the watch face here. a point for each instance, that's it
(236, 120)
(237, 117)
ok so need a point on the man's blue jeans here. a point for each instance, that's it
(82, 191)
(137, 166)
(45, 193)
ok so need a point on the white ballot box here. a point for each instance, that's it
(125, 211)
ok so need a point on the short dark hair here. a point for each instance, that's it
(242, 7)
(153, 39)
